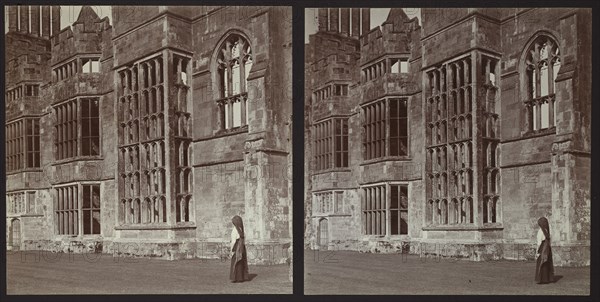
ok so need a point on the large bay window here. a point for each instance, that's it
(77, 128)
(385, 126)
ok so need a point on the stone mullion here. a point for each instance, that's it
(79, 122)
(538, 116)
(221, 115)
(487, 70)
(466, 72)
(169, 164)
(387, 143)
(551, 100)
(228, 61)
(331, 143)
(443, 84)
(477, 167)
(243, 83)
(388, 214)
(243, 99)
(538, 84)
(435, 83)
(229, 104)
(157, 69)
(242, 64)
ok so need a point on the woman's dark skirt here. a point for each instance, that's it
(239, 264)
(544, 270)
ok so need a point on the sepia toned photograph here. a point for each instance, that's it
(447, 151)
(148, 149)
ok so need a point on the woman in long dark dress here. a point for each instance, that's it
(544, 269)
(239, 261)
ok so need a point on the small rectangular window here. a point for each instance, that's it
(374, 210)
(339, 202)
(395, 66)
(95, 66)
(87, 66)
(403, 66)
(31, 202)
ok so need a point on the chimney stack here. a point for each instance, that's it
(366, 20)
(55, 19)
(323, 20)
(35, 20)
(24, 12)
(12, 18)
(45, 21)
(355, 22)
(334, 19)
(345, 20)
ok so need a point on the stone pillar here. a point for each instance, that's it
(267, 203)
(24, 24)
(477, 143)
(55, 19)
(570, 221)
(322, 19)
(366, 20)
(35, 20)
(12, 18)
(345, 17)
(45, 21)
(170, 155)
(355, 22)
(266, 180)
(334, 14)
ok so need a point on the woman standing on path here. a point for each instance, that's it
(544, 268)
(239, 261)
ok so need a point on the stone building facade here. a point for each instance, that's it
(146, 136)
(450, 137)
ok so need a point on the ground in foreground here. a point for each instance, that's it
(353, 273)
(36, 272)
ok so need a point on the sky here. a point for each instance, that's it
(69, 14)
(378, 16)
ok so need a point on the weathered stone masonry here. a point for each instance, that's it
(456, 135)
(153, 132)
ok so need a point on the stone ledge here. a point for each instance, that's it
(154, 227)
(564, 255)
(464, 228)
(259, 253)
(331, 215)
(386, 159)
(32, 215)
(333, 170)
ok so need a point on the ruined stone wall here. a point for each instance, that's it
(247, 173)
(542, 173)
(332, 57)
(551, 172)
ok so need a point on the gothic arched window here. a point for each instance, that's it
(542, 65)
(234, 61)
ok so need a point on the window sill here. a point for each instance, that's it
(81, 237)
(541, 132)
(385, 158)
(386, 237)
(24, 171)
(125, 227)
(325, 215)
(232, 131)
(32, 215)
(484, 227)
(331, 170)
(77, 158)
